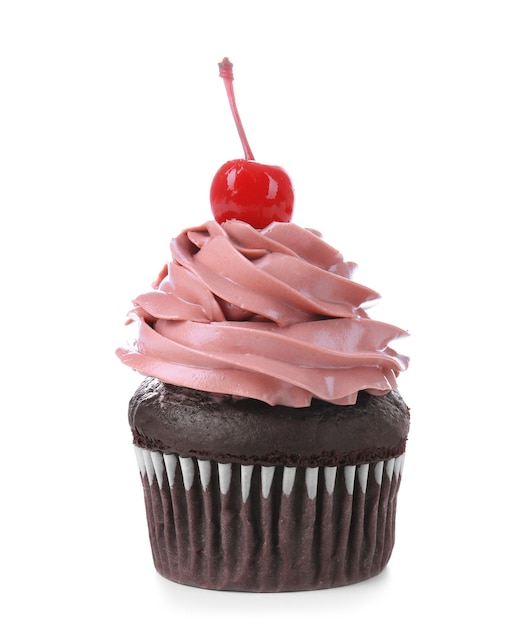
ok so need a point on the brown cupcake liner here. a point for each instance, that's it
(258, 528)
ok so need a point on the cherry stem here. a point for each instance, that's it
(226, 72)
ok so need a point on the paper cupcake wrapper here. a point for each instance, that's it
(260, 528)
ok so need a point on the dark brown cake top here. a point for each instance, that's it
(195, 423)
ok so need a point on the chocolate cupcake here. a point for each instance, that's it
(269, 430)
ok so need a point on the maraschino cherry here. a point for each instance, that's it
(244, 189)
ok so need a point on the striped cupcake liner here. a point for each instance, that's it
(268, 528)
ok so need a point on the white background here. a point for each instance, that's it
(406, 128)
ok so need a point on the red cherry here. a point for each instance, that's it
(254, 193)
(244, 189)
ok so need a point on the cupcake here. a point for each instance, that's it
(268, 428)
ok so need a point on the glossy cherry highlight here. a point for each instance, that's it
(244, 189)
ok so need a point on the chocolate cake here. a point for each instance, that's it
(268, 498)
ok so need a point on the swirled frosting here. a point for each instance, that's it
(269, 314)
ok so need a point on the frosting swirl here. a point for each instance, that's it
(270, 314)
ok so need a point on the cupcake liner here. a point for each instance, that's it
(268, 528)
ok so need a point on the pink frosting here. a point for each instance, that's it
(269, 314)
